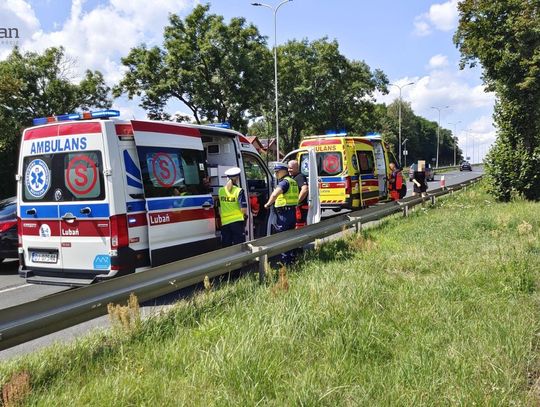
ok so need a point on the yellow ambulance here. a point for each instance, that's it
(352, 169)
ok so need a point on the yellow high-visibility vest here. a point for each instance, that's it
(230, 205)
(289, 198)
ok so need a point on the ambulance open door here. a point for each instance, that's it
(307, 161)
(180, 209)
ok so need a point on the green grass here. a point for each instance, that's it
(440, 308)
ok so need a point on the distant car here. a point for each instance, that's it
(465, 166)
(8, 229)
(430, 174)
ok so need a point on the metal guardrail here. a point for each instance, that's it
(32, 320)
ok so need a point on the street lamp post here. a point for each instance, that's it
(405, 149)
(438, 131)
(455, 138)
(399, 115)
(275, 10)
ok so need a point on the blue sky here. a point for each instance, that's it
(411, 41)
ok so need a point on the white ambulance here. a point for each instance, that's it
(100, 197)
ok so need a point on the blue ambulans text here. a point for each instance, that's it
(58, 146)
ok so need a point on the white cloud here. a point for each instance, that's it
(476, 139)
(99, 38)
(438, 61)
(441, 16)
(470, 107)
(18, 15)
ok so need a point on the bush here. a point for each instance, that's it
(502, 165)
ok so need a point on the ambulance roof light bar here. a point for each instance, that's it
(374, 136)
(223, 125)
(99, 114)
(334, 133)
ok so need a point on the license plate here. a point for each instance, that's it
(40, 257)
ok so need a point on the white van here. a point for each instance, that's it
(100, 197)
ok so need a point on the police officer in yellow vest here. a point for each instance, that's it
(285, 197)
(233, 209)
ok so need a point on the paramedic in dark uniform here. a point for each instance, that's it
(301, 180)
(285, 197)
(232, 209)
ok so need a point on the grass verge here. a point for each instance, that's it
(438, 308)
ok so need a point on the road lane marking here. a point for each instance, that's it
(15, 288)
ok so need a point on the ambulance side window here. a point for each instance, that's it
(255, 175)
(366, 162)
(172, 171)
(304, 164)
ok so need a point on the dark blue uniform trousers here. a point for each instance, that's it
(286, 219)
(232, 234)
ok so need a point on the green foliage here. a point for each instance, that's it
(377, 318)
(219, 71)
(501, 170)
(504, 36)
(37, 85)
(320, 90)
(420, 132)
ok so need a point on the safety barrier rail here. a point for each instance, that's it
(32, 320)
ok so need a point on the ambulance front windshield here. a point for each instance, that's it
(63, 177)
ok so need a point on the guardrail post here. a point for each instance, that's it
(406, 211)
(432, 198)
(262, 260)
(263, 266)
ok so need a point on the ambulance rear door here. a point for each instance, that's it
(180, 209)
(381, 165)
(63, 200)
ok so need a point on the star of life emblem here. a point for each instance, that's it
(37, 178)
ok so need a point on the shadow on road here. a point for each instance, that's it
(9, 266)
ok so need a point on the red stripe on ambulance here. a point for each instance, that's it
(319, 142)
(123, 129)
(161, 218)
(153, 127)
(79, 228)
(137, 219)
(62, 130)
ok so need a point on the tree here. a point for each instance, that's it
(320, 90)
(37, 85)
(219, 71)
(420, 132)
(504, 37)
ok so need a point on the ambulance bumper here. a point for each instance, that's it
(125, 263)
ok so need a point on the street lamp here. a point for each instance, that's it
(404, 143)
(438, 131)
(399, 114)
(455, 138)
(275, 10)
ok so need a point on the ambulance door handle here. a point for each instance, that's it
(86, 210)
(31, 211)
(207, 205)
(69, 217)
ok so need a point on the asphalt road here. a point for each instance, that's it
(14, 290)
